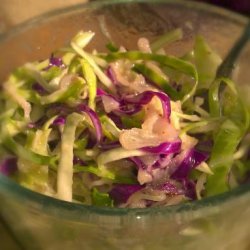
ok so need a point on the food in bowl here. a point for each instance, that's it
(124, 128)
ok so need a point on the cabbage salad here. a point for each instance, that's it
(123, 128)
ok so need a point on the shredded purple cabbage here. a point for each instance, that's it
(100, 92)
(192, 159)
(189, 189)
(8, 166)
(132, 105)
(125, 108)
(120, 193)
(39, 89)
(145, 97)
(164, 148)
(56, 61)
(163, 160)
(116, 119)
(94, 118)
(59, 121)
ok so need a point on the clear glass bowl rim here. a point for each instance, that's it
(50, 204)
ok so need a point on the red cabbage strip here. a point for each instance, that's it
(138, 162)
(116, 119)
(59, 121)
(139, 100)
(56, 61)
(163, 160)
(8, 166)
(164, 148)
(189, 189)
(192, 159)
(124, 108)
(39, 123)
(39, 89)
(120, 193)
(100, 92)
(94, 118)
(146, 97)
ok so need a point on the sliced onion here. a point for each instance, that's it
(126, 78)
(66, 80)
(150, 159)
(137, 138)
(110, 104)
(144, 176)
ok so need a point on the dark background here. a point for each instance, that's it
(242, 6)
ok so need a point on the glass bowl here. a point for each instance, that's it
(40, 222)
